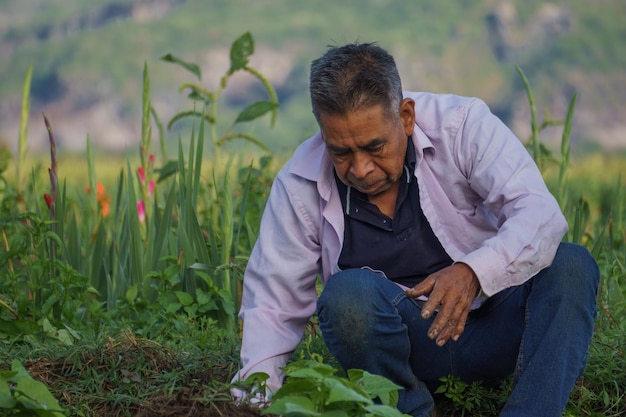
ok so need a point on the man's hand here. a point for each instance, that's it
(452, 290)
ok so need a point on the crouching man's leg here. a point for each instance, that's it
(559, 318)
(361, 318)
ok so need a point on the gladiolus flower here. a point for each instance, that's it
(102, 198)
(151, 187)
(48, 200)
(151, 159)
(142, 174)
(141, 210)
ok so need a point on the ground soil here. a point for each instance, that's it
(185, 401)
(195, 394)
(93, 381)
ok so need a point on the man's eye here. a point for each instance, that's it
(339, 152)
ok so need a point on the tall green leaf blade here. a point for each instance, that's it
(145, 119)
(96, 259)
(163, 225)
(197, 166)
(534, 140)
(23, 133)
(135, 237)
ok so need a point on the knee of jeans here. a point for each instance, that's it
(349, 292)
(576, 268)
(346, 285)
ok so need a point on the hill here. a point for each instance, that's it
(87, 59)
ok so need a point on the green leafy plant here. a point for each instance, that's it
(21, 395)
(172, 241)
(314, 389)
(473, 399)
(240, 52)
(540, 153)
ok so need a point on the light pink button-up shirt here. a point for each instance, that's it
(480, 190)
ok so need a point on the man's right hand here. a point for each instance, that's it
(451, 291)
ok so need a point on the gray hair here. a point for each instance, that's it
(354, 76)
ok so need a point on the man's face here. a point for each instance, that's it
(367, 147)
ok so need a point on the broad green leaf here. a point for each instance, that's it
(49, 303)
(336, 413)
(228, 305)
(205, 301)
(34, 395)
(64, 336)
(255, 110)
(172, 308)
(296, 387)
(196, 96)
(378, 386)
(193, 68)
(292, 406)
(185, 298)
(339, 392)
(18, 327)
(131, 294)
(257, 377)
(6, 398)
(309, 373)
(20, 371)
(168, 169)
(379, 410)
(240, 50)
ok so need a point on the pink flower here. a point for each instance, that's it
(151, 187)
(141, 210)
(142, 174)
(151, 159)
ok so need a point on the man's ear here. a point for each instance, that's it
(407, 115)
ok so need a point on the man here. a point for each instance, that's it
(437, 241)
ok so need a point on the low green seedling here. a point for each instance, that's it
(314, 389)
(21, 395)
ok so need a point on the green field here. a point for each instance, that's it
(122, 300)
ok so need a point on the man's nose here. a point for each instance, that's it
(361, 164)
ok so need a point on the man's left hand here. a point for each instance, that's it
(452, 291)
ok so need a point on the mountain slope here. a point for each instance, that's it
(87, 59)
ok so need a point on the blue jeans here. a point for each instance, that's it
(539, 332)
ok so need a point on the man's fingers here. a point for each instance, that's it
(432, 304)
(424, 287)
(450, 322)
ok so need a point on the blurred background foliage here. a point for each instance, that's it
(87, 58)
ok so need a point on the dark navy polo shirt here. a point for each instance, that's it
(405, 247)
